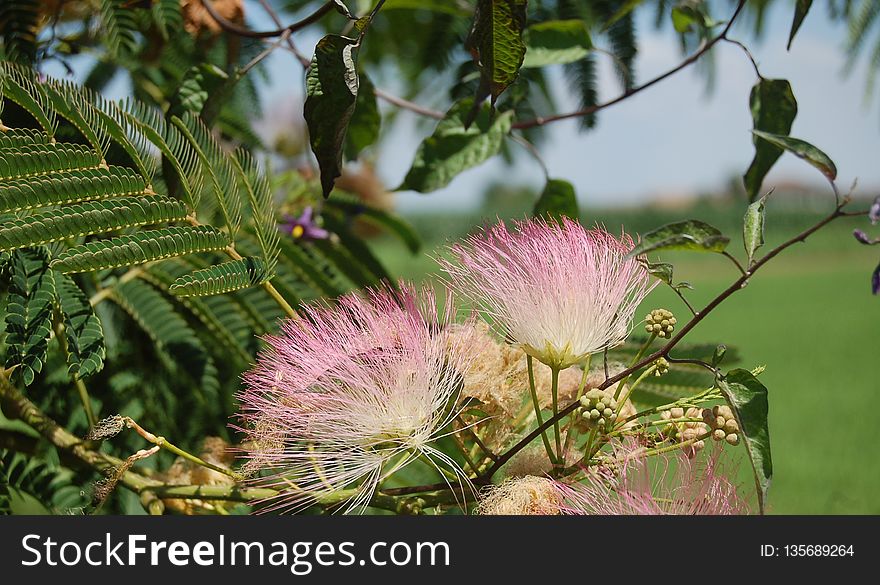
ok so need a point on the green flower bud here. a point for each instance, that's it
(660, 322)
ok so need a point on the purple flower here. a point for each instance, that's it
(304, 226)
(874, 212)
(863, 238)
(875, 280)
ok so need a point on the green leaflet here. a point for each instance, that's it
(30, 304)
(453, 148)
(773, 110)
(167, 16)
(753, 227)
(45, 159)
(692, 234)
(748, 399)
(22, 137)
(139, 248)
(331, 97)
(556, 42)
(803, 150)
(262, 207)
(800, 13)
(18, 86)
(82, 328)
(558, 200)
(366, 121)
(217, 165)
(69, 187)
(94, 217)
(496, 40)
(222, 278)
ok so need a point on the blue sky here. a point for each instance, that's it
(673, 139)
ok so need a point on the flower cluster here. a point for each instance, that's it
(558, 290)
(347, 391)
(351, 393)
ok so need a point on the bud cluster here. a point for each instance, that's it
(598, 408)
(660, 322)
(723, 424)
(661, 366)
(682, 431)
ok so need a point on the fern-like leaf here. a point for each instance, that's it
(29, 311)
(217, 166)
(93, 217)
(222, 278)
(45, 159)
(82, 328)
(70, 187)
(146, 246)
(22, 138)
(170, 332)
(19, 86)
(259, 196)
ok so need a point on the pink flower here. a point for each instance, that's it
(348, 394)
(560, 291)
(638, 485)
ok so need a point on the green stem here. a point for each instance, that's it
(164, 443)
(635, 361)
(537, 406)
(554, 392)
(77, 381)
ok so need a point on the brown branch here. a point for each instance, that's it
(231, 27)
(704, 48)
(663, 352)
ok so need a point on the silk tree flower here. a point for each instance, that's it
(304, 226)
(638, 485)
(560, 291)
(346, 395)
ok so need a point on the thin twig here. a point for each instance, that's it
(231, 27)
(704, 48)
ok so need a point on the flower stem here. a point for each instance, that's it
(554, 392)
(77, 381)
(537, 405)
(169, 446)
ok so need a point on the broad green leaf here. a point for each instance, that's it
(452, 148)
(753, 227)
(556, 42)
(199, 84)
(363, 130)
(748, 399)
(800, 13)
(692, 15)
(773, 110)
(557, 200)
(332, 91)
(692, 234)
(802, 149)
(497, 44)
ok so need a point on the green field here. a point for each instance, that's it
(808, 316)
